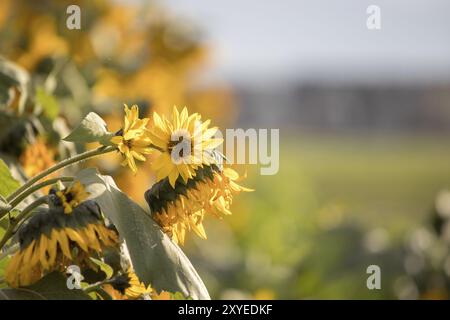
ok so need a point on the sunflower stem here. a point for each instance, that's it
(96, 286)
(58, 166)
(13, 223)
(35, 188)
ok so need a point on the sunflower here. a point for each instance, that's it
(127, 287)
(133, 140)
(70, 197)
(185, 144)
(52, 240)
(183, 207)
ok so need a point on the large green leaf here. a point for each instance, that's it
(156, 259)
(91, 129)
(20, 294)
(7, 183)
(52, 287)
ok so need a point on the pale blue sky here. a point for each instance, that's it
(256, 39)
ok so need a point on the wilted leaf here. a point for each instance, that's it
(7, 183)
(5, 94)
(13, 75)
(91, 129)
(52, 287)
(156, 259)
(19, 294)
(104, 267)
(48, 103)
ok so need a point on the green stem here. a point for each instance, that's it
(96, 285)
(11, 249)
(35, 188)
(12, 225)
(60, 165)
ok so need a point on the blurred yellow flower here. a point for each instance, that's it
(185, 144)
(37, 157)
(132, 140)
(163, 295)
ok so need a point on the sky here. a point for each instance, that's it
(324, 40)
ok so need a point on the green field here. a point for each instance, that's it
(387, 181)
(301, 233)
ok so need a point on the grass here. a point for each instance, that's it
(387, 181)
(301, 232)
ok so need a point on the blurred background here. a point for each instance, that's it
(364, 119)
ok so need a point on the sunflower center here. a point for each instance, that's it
(69, 197)
(128, 143)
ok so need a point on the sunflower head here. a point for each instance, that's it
(70, 197)
(52, 240)
(183, 207)
(185, 144)
(132, 140)
(127, 287)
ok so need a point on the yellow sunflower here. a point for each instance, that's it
(185, 144)
(127, 287)
(52, 240)
(182, 208)
(71, 197)
(133, 140)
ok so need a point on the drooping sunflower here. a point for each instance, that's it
(183, 207)
(185, 144)
(127, 287)
(52, 239)
(133, 140)
(70, 197)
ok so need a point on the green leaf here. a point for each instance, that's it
(4, 206)
(52, 287)
(91, 129)
(3, 262)
(20, 294)
(104, 267)
(179, 296)
(156, 259)
(48, 103)
(7, 183)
